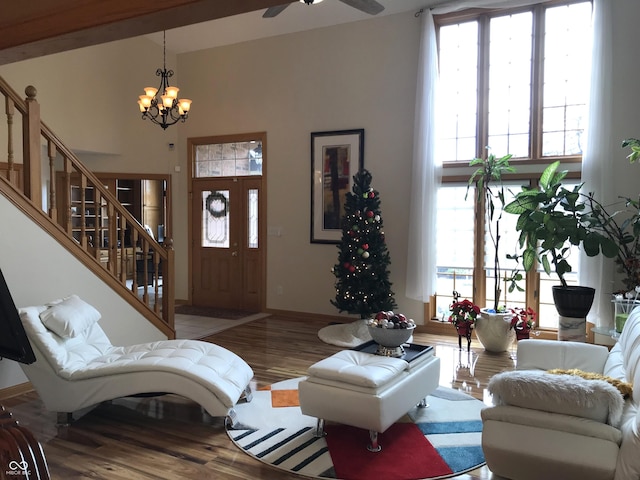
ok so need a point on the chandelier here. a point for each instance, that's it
(161, 105)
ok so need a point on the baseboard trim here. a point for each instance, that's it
(15, 390)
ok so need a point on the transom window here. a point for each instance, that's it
(232, 159)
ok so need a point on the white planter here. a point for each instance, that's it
(494, 332)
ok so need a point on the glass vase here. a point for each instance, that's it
(622, 309)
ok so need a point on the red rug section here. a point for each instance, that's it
(406, 454)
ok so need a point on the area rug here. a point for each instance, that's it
(437, 442)
(212, 312)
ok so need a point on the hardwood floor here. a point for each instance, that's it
(171, 438)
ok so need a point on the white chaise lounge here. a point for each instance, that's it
(77, 366)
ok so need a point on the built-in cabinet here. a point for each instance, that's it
(144, 198)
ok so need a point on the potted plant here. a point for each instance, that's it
(552, 218)
(621, 224)
(492, 327)
(522, 321)
(487, 179)
(463, 316)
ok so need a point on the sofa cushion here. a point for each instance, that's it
(69, 317)
(566, 394)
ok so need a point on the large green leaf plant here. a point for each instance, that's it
(551, 219)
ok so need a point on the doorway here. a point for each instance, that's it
(227, 224)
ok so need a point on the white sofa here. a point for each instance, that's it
(77, 366)
(547, 426)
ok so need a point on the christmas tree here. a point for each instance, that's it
(362, 278)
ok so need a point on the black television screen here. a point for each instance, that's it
(14, 343)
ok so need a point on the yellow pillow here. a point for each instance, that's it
(625, 388)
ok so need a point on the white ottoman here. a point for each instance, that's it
(367, 391)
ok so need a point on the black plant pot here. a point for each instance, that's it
(573, 301)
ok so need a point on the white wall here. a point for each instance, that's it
(360, 75)
(37, 270)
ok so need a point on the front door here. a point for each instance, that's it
(227, 251)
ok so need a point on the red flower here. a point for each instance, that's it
(523, 318)
(463, 311)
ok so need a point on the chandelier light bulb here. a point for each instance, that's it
(167, 101)
(172, 92)
(185, 104)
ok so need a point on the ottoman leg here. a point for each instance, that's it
(423, 403)
(373, 445)
(248, 394)
(320, 428)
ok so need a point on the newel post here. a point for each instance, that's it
(31, 147)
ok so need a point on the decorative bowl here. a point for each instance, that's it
(391, 337)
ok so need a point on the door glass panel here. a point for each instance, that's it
(229, 159)
(252, 218)
(215, 219)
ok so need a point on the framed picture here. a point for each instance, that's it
(335, 159)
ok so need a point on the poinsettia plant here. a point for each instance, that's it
(463, 312)
(523, 319)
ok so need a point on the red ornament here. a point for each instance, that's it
(346, 265)
(371, 194)
(352, 269)
(365, 246)
(370, 214)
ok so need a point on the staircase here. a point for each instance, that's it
(83, 215)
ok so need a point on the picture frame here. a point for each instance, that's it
(336, 156)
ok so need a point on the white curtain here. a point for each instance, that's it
(426, 172)
(597, 272)
(457, 5)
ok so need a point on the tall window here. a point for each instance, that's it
(512, 81)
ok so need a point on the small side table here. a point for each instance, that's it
(605, 336)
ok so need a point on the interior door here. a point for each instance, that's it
(227, 255)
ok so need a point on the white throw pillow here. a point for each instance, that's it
(70, 317)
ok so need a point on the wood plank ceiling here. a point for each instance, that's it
(34, 29)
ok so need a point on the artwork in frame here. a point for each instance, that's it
(335, 158)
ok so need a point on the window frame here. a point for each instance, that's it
(459, 171)
(483, 17)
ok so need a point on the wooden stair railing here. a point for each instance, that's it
(87, 213)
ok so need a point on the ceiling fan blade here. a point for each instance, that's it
(273, 11)
(367, 6)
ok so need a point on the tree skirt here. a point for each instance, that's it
(347, 335)
(441, 441)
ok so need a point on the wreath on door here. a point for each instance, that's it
(217, 205)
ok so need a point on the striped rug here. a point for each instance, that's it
(272, 429)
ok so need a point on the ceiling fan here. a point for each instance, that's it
(367, 6)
